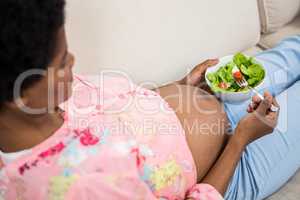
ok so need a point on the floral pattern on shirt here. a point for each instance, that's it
(59, 185)
(165, 175)
(84, 163)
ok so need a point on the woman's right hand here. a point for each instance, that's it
(260, 121)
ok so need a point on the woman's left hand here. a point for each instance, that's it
(196, 77)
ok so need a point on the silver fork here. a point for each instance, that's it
(243, 83)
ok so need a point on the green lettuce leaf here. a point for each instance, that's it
(252, 71)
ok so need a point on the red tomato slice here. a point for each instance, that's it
(223, 85)
(238, 75)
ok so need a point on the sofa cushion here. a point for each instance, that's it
(290, 191)
(270, 40)
(276, 13)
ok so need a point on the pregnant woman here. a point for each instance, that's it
(74, 137)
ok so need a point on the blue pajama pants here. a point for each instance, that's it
(268, 163)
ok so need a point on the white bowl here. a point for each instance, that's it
(231, 97)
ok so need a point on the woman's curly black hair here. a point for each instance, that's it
(28, 33)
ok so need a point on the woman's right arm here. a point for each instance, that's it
(258, 123)
(220, 174)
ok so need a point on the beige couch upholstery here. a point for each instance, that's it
(146, 38)
(158, 41)
(270, 40)
(274, 14)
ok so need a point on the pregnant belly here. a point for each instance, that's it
(204, 121)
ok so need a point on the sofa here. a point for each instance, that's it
(159, 41)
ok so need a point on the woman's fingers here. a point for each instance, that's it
(250, 109)
(256, 100)
(262, 108)
(210, 63)
(196, 76)
(265, 104)
(201, 68)
(275, 103)
(272, 119)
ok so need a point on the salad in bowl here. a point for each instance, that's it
(222, 77)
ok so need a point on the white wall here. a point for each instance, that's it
(158, 40)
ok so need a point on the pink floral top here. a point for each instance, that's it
(118, 142)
